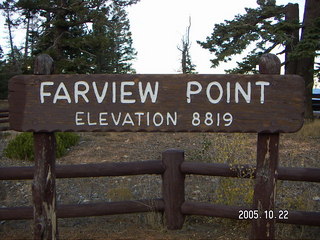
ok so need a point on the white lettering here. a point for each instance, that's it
(78, 123)
(114, 92)
(102, 120)
(262, 84)
(127, 120)
(42, 93)
(65, 95)
(228, 92)
(217, 100)
(81, 93)
(246, 95)
(116, 122)
(139, 114)
(192, 92)
(148, 119)
(154, 119)
(99, 97)
(172, 119)
(148, 91)
(126, 93)
(90, 123)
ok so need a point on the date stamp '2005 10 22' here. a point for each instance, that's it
(267, 214)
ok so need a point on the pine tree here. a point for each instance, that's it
(267, 28)
(110, 41)
(120, 48)
(78, 34)
(8, 9)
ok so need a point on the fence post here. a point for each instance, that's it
(173, 188)
(267, 164)
(43, 187)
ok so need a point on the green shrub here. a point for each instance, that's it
(21, 147)
(65, 141)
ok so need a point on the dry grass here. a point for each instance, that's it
(301, 149)
(310, 129)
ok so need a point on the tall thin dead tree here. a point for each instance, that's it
(186, 64)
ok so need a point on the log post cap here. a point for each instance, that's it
(269, 64)
(172, 157)
(43, 65)
(173, 154)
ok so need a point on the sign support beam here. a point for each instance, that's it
(44, 181)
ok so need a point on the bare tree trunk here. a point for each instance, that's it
(9, 24)
(184, 49)
(292, 16)
(59, 30)
(26, 45)
(306, 64)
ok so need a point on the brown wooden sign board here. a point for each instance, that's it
(165, 103)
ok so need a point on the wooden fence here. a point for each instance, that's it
(173, 169)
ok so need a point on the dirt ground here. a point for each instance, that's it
(295, 151)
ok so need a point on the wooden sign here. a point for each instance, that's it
(170, 103)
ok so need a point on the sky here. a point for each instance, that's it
(158, 26)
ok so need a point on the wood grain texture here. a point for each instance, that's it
(156, 167)
(173, 188)
(188, 208)
(281, 111)
(89, 209)
(265, 185)
(267, 166)
(44, 187)
(44, 180)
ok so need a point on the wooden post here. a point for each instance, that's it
(267, 164)
(173, 188)
(44, 188)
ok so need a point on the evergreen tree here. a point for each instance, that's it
(120, 48)
(109, 43)
(78, 34)
(81, 36)
(8, 9)
(268, 28)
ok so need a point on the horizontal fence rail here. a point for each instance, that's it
(88, 170)
(248, 171)
(155, 205)
(4, 118)
(87, 210)
(157, 167)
